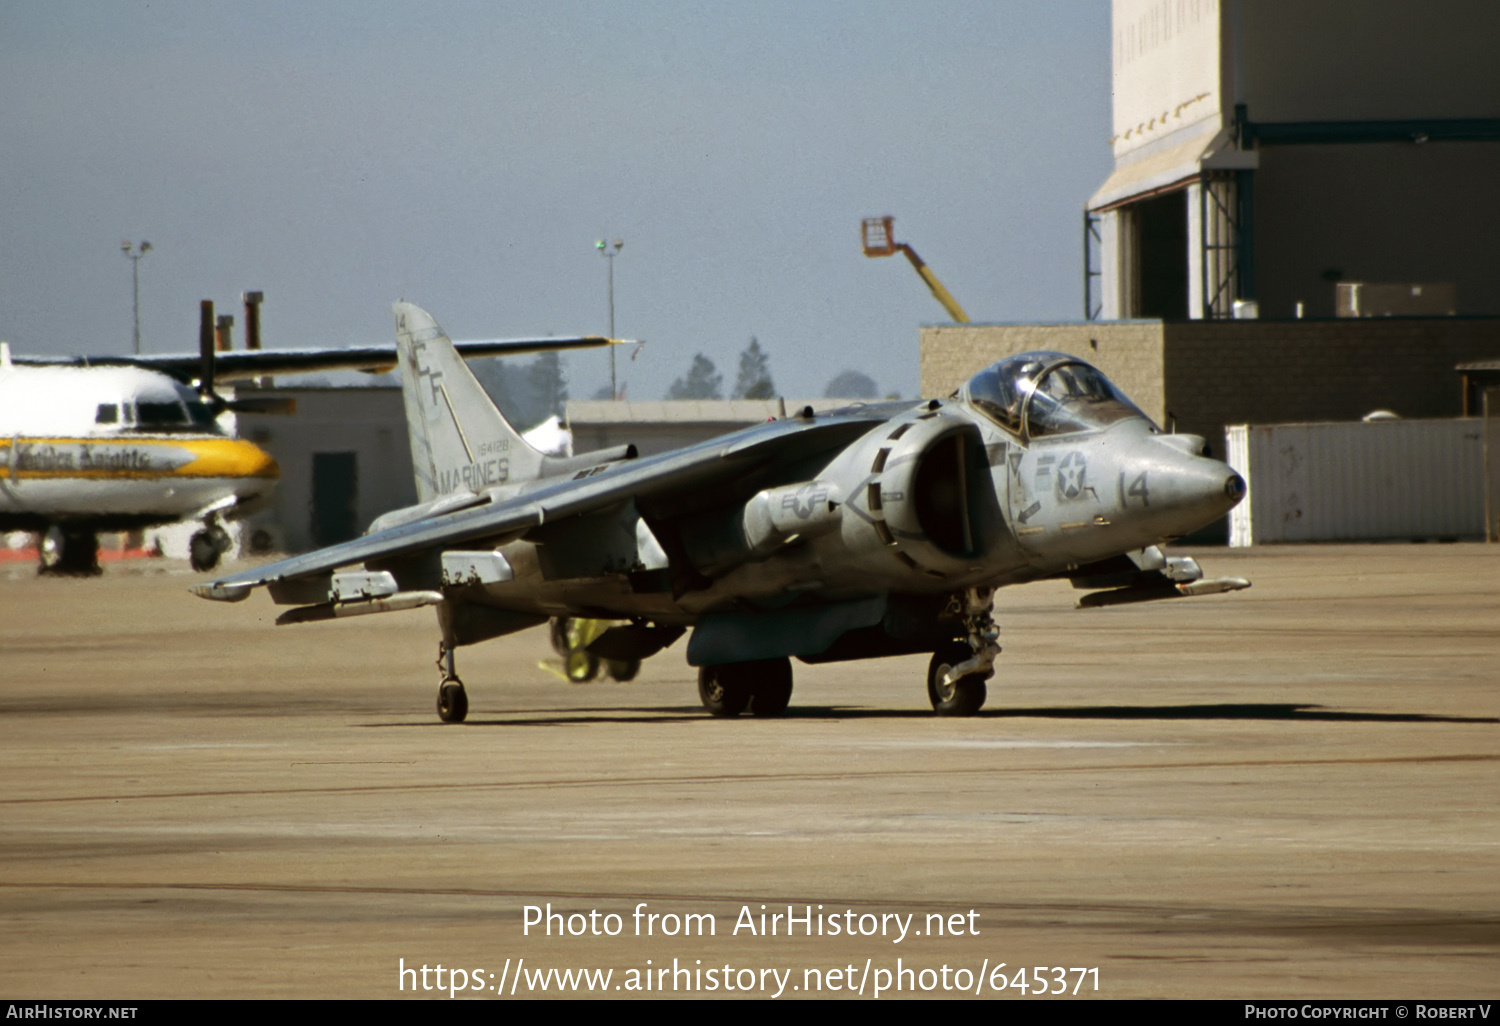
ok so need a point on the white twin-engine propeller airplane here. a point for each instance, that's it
(874, 530)
(90, 444)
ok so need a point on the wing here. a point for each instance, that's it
(255, 363)
(657, 479)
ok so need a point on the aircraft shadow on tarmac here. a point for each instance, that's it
(1280, 711)
(1235, 711)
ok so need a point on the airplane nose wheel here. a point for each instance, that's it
(453, 700)
(206, 546)
(963, 693)
(962, 697)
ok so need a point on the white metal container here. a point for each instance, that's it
(1390, 480)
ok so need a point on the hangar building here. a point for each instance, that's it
(1269, 150)
(345, 460)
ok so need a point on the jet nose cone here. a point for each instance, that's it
(1188, 492)
(1207, 485)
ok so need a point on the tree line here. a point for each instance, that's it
(528, 394)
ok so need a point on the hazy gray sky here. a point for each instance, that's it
(466, 155)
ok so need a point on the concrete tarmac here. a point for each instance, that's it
(1289, 792)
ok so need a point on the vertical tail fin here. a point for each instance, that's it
(459, 440)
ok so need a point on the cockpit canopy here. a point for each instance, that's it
(159, 417)
(1047, 394)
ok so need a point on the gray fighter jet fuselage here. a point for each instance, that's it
(875, 530)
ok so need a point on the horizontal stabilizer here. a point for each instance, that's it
(558, 466)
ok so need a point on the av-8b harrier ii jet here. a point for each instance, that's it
(876, 530)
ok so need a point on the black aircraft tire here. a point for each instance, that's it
(69, 552)
(771, 686)
(203, 553)
(966, 695)
(722, 694)
(623, 670)
(453, 702)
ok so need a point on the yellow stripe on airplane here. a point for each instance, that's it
(133, 458)
(228, 457)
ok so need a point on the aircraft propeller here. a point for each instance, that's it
(215, 402)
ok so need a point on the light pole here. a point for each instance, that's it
(609, 250)
(135, 253)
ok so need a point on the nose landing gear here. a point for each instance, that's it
(956, 675)
(961, 696)
(206, 546)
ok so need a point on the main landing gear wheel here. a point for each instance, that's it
(69, 552)
(722, 691)
(764, 687)
(453, 702)
(962, 697)
(771, 692)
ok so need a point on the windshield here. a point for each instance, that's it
(1066, 395)
(170, 417)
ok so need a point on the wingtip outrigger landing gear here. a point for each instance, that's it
(956, 675)
(453, 700)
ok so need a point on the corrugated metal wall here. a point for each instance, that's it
(1398, 480)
